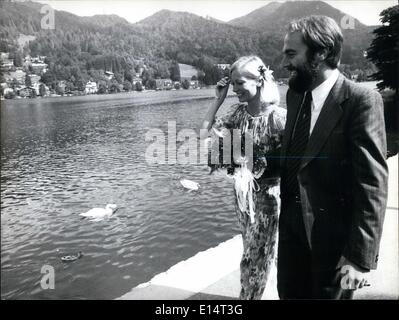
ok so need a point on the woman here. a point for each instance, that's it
(261, 122)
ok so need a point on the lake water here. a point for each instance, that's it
(63, 156)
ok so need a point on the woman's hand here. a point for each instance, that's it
(221, 91)
(221, 88)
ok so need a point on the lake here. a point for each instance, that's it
(63, 156)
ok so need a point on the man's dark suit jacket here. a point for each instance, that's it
(343, 176)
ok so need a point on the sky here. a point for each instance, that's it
(366, 11)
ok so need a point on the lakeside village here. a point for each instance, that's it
(26, 81)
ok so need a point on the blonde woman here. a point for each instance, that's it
(259, 119)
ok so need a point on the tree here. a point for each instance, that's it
(18, 60)
(102, 87)
(42, 90)
(186, 84)
(114, 88)
(33, 93)
(128, 76)
(69, 86)
(60, 89)
(201, 76)
(48, 78)
(384, 49)
(151, 84)
(139, 86)
(14, 83)
(28, 81)
(127, 86)
(9, 95)
(174, 72)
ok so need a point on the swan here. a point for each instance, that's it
(188, 184)
(99, 213)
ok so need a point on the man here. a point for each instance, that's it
(334, 174)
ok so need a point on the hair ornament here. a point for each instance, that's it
(265, 73)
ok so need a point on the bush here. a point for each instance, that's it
(186, 84)
(139, 86)
(10, 95)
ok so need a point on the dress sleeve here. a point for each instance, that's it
(221, 126)
(227, 120)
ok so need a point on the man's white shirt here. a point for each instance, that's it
(319, 96)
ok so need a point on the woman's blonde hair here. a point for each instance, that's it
(252, 67)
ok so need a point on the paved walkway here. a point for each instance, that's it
(214, 274)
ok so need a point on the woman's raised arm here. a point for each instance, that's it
(222, 88)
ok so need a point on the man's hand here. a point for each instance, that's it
(353, 277)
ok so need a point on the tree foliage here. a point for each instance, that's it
(384, 49)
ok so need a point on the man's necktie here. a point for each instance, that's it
(298, 144)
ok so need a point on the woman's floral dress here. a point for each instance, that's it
(259, 237)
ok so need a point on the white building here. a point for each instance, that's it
(109, 75)
(91, 87)
(223, 66)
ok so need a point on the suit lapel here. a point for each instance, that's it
(326, 122)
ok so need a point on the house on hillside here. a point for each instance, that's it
(194, 84)
(38, 59)
(4, 55)
(24, 91)
(164, 84)
(34, 79)
(137, 80)
(222, 66)
(39, 67)
(109, 75)
(18, 75)
(91, 87)
(186, 72)
(7, 91)
(6, 63)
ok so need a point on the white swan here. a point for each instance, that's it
(100, 213)
(188, 184)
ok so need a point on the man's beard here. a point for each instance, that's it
(304, 77)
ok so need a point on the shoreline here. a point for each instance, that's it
(186, 94)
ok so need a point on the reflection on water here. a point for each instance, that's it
(62, 157)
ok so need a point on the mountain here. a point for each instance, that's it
(80, 48)
(103, 20)
(187, 37)
(275, 16)
(257, 18)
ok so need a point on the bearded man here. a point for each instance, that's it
(334, 173)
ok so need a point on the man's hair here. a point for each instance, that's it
(320, 32)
